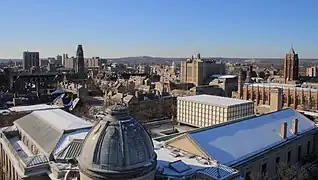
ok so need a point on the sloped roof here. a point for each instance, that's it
(254, 135)
(71, 151)
(35, 160)
(46, 127)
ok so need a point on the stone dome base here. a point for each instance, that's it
(150, 176)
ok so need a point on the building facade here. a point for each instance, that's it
(311, 71)
(65, 56)
(207, 110)
(197, 70)
(31, 59)
(58, 60)
(70, 63)
(92, 62)
(291, 66)
(290, 95)
(286, 139)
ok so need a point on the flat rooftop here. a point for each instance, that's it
(214, 100)
(33, 107)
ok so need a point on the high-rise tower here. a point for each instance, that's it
(31, 60)
(291, 64)
(249, 74)
(240, 84)
(80, 62)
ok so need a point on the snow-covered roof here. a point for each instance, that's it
(255, 135)
(62, 120)
(183, 166)
(214, 100)
(33, 107)
(221, 76)
(50, 128)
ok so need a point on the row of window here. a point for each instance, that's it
(264, 170)
(307, 101)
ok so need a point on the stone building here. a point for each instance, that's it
(118, 147)
(291, 96)
(256, 146)
(197, 70)
(291, 66)
(53, 144)
(207, 110)
(311, 71)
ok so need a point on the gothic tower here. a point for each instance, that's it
(291, 65)
(249, 74)
(80, 62)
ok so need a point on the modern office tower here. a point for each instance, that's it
(31, 60)
(59, 59)
(65, 56)
(291, 66)
(70, 63)
(207, 110)
(80, 62)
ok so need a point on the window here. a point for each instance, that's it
(308, 148)
(277, 160)
(264, 169)
(288, 157)
(248, 175)
(299, 153)
(277, 163)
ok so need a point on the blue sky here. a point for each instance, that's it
(168, 28)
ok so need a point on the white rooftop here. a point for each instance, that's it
(214, 100)
(184, 166)
(33, 107)
(255, 135)
(221, 76)
(61, 119)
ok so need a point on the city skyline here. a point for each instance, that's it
(247, 29)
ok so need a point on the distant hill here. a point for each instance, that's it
(149, 59)
(8, 60)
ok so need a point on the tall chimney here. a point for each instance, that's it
(295, 126)
(283, 130)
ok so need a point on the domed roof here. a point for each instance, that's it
(117, 146)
